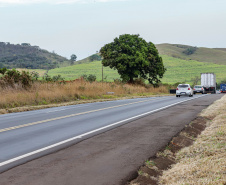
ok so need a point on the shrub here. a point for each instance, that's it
(190, 50)
(12, 77)
(90, 78)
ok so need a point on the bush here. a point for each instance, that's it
(57, 78)
(90, 78)
(12, 77)
(190, 50)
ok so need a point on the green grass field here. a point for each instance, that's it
(76, 71)
(178, 70)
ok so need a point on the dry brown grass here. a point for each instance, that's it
(204, 162)
(52, 93)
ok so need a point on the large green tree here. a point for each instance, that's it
(133, 57)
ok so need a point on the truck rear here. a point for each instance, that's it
(223, 88)
(208, 81)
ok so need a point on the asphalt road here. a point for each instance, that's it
(28, 135)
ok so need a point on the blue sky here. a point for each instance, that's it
(82, 27)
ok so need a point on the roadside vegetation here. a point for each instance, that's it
(24, 89)
(41, 72)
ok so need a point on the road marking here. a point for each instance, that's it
(71, 115)
(90, 132)
(55, 110)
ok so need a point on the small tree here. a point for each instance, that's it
(73, 59)
(95, 57)
(134, 58)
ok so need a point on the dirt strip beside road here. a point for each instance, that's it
(112, 157)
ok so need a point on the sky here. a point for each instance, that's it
(82, 27)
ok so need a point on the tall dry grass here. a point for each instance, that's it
(45, 93)
(204, 162)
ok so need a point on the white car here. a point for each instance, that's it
(184, 90)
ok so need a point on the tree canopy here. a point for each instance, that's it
(73, 59)
(133, 57)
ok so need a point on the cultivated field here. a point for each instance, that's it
(178, 70)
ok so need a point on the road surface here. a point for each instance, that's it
(113, 156)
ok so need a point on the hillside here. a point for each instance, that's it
(210, 55)
(27, 56)
(94, 57)
(178, 70)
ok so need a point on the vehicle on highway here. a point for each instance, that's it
(184, 90)
(223, 88)
(208, 81)
(198, 89)
(218, 91)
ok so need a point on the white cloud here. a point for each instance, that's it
(18, 2)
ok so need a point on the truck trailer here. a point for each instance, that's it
(208, 81)
(223, 88)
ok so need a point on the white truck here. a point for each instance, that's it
(208, 81)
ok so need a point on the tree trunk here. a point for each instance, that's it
(131, 81)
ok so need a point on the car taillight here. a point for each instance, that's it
(177, 89)
(188, 88)
(202, 88)
(194, 89)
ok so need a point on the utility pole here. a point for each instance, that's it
(102, 73)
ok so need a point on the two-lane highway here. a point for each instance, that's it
(28, 135)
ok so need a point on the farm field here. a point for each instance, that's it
(76, 71)
(178, 70)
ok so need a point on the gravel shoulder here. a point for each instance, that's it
(113, 157)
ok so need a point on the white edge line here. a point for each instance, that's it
(87, 133)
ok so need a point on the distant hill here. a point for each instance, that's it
(185, 52)
(31, 57)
